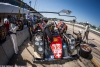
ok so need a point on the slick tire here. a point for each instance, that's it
(84, 53)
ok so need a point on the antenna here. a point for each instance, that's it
(35, 4)
(12, 10)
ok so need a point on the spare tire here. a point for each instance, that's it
(85, 51)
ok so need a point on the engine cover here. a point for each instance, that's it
(56, 47)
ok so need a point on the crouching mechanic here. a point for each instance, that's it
(79, 37)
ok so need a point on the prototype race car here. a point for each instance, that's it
(62, 45)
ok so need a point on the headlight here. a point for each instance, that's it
(41, 43)
(40, 49)
(36, 43)
(72, 42)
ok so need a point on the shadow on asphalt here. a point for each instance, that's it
(18, 59)
(91, 39)
(89, 58)
(59, 61)
(92, 45)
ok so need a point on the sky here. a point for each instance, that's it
(84, 10)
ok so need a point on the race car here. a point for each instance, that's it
(61, 47)
(50, 44)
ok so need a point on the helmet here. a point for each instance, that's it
(45, 20)
(80, 31)
(34, 15)
(9, 16)
(87, 22)
(74, 20)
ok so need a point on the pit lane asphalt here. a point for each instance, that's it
(26, 54)
(94, 43)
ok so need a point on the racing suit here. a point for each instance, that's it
(47, 31)
(46, 28)
(30, 29)
(13, 37)
(86, 32)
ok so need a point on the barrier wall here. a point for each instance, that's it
(6, 49)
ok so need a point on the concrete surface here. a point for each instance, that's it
(7, 50)
(22, 35)
(3, 58)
